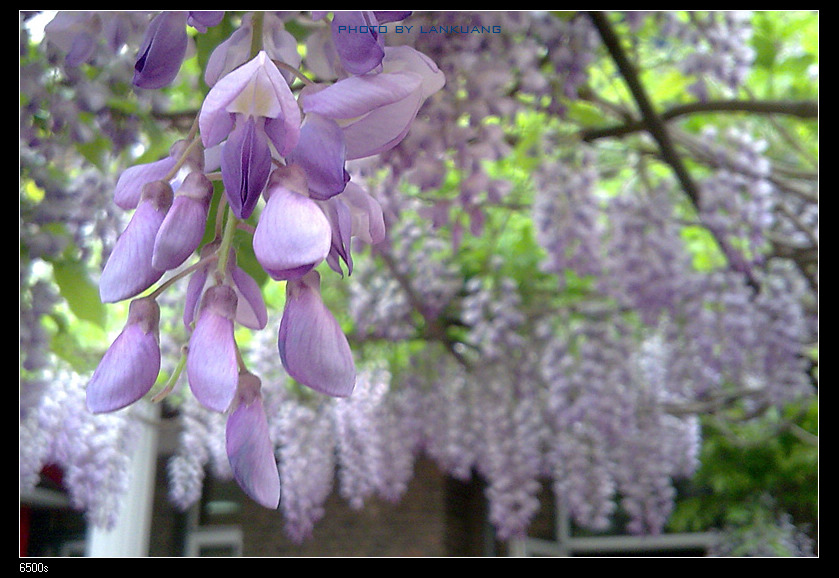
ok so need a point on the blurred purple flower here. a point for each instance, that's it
(163, 50)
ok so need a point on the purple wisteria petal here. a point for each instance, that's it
(254, 89)
(183, 227)
(292, 235)
(129, 269)
(202, 20)
(312, 346)
(368, 222)
(162, 51)
(195, 288)
(321, 153)
(229, 54)
(338, 213)
(387, 16)
(357, 96)
(357, 41)
(129, 368)
(245, 166)
(211, 361)
(251, 310)
(129, 186)
(376, 111)
(250, 450)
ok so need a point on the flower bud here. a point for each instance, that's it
(250, 310)
(129, 269)
(183, 227)
(129, 368)
(249, 446)
(211, 362)
(162, 51)
(312, 346)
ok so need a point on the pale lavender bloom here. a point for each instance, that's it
(249, 446)
(129, 368)
(368, 222)
(183, 227)
(292, 236)
(129, 269)
(313, 348)
(321, 153)
(211, 362)
(249, 107)
(376, 111)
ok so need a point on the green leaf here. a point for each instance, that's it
(79, 291)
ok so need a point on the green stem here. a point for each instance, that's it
(256, 38)
(174, 170)
(188, 271)
(226, 242)
(172, 381)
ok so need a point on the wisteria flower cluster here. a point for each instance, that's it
(281, 155)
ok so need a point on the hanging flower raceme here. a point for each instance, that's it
(268, 147)
(248, 110)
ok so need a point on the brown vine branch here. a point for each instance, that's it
(805, 109)
(654, 123)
